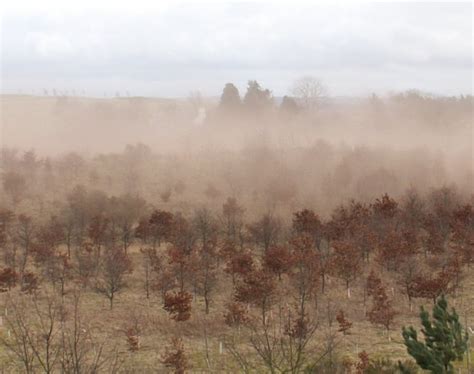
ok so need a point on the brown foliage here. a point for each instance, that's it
(29, 282)
(178, 305)
(373, 284)
(8, 279)
(307, 265)
(278, 259)
(240, 263)
(227, 249)
(182, 235)
(133, 339)
(161, 226)
(97, 230)
(462, 226)
(382, 312)
(395, 247)
(180, 264)
(257, 288)
(363, 362)
(235, 315)
(347, 220)
(298, 329)
(385, 207)
(344, 324)
(431, 286)
(175, 357)
(307, 222)
(346, 261)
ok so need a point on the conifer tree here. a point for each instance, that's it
(444, 343)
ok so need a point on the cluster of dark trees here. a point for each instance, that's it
(307, 94)
(256, 98)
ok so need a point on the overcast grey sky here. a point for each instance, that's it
(174, 49)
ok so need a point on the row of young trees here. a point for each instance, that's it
(276, 273)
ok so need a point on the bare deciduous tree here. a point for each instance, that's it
(34, 332)
(310, 91)
(115, 266)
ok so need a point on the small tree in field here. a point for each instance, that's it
(346, 262)
(278, 259)
(445, 340)
(344, 324)
(160, 226)
(239, 263)
(373, 283)
(178, 305)
(86, 261)
(305, 272)
(55, 266)
(307, 222)
(30, 283)
(8, 279)
(363, 363)
(97, 233)
(206, 274)
(382, 312)
(258, 289)
(462, 226)
(25, 235)
(235, 314)
(265, 231)
(132, 335)
(115, 266)
(152, 266)
(180, 265)
(174, 357)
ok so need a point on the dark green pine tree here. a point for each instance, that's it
(444, 343)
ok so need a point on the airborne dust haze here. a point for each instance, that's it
(330, 144)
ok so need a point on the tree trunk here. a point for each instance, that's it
(111, 299)
(206, 301)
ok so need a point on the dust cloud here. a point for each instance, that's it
(281, 154)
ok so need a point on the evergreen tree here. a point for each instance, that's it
(444, 339)
(257, 99)
(230, 99)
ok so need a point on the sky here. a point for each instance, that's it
(174, 48)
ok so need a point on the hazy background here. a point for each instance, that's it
(129, 97)
(175, 47)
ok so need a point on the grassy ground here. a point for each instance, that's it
(131, 308)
